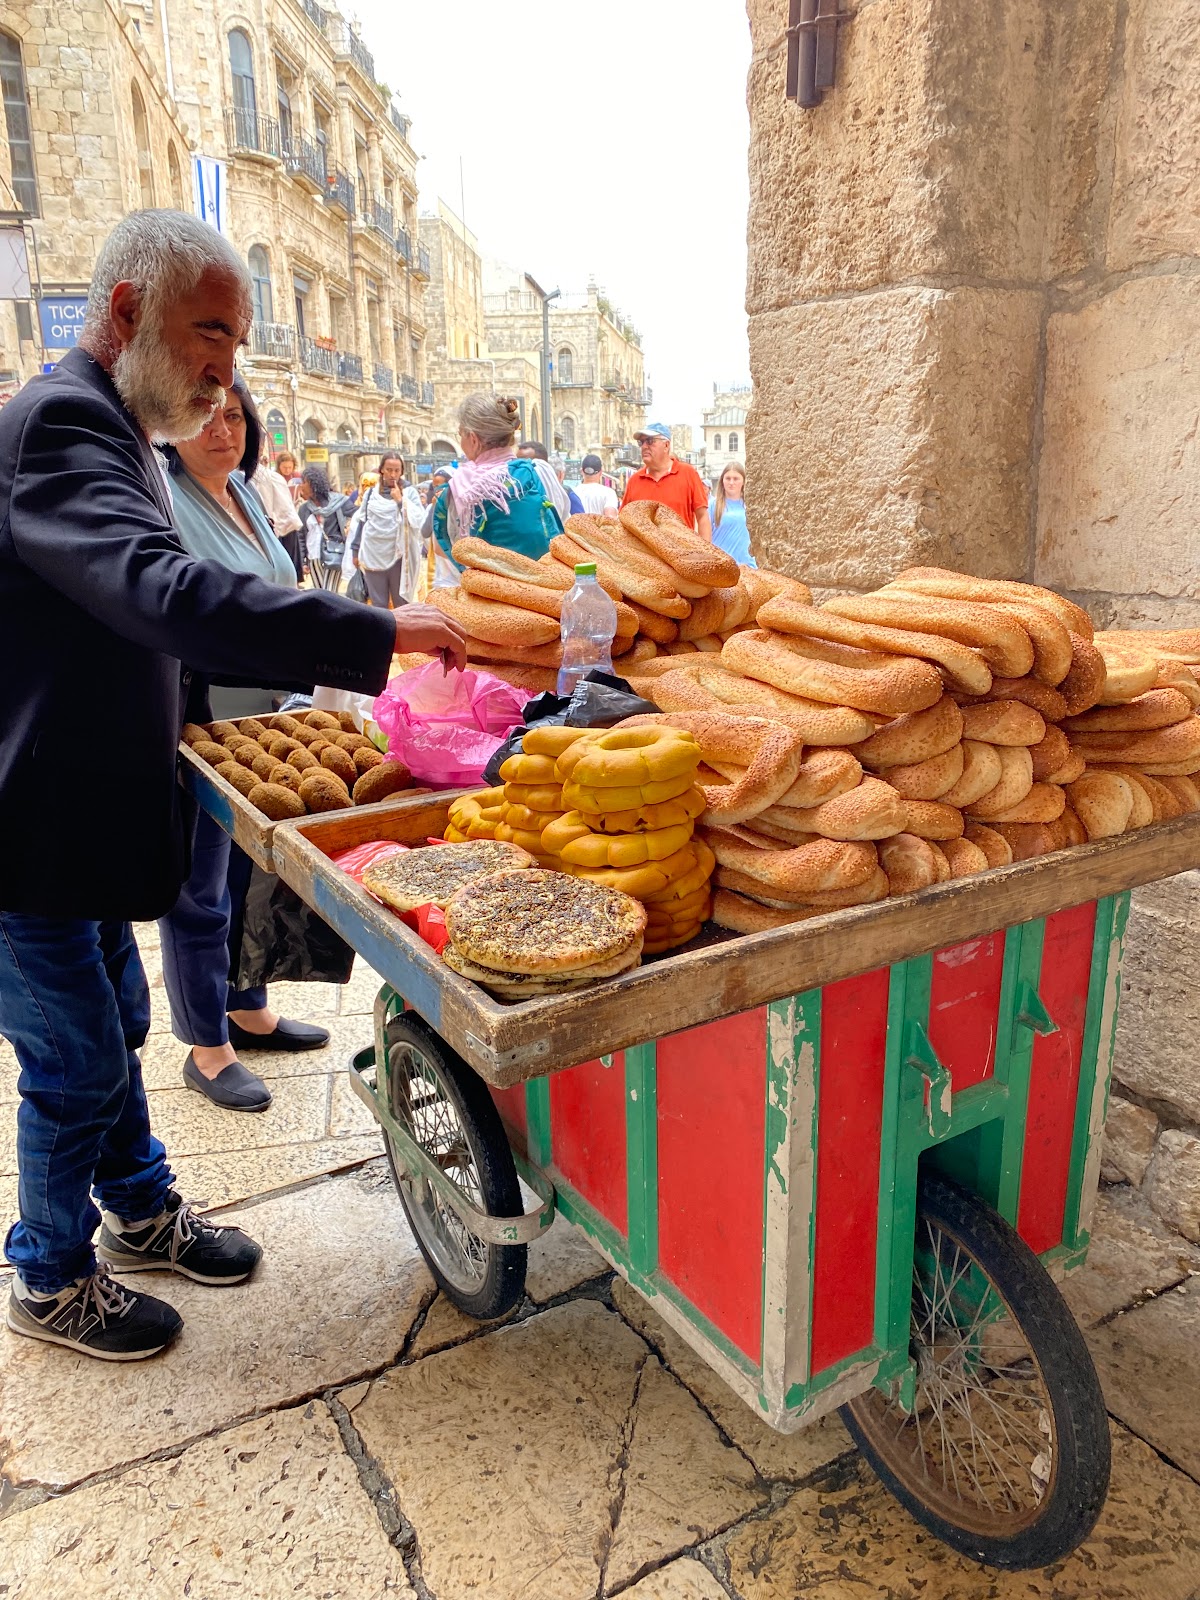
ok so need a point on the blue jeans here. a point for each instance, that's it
(195, 940)
(75, 1005)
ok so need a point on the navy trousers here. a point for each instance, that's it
(75, 1005)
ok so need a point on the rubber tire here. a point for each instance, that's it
(1077, 1402)
(504, 1282)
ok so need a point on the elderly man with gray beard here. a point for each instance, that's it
(105, 628)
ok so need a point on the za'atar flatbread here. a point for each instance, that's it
(541, 922)
(430, 876)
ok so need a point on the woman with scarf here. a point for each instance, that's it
(494, 494)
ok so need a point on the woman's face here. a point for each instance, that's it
(218, 448)
(734, 483)
(286, 466)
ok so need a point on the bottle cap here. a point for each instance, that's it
(585, 569)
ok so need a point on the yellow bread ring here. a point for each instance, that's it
(696, 878)
(551, 741)
(452, 835)
(651, 878)
(579, 797)
(527, 839)
(698, 907)
(485, 824)
(625, 756)
(667, 814)
(526, 768)
(523, 817)
(535, 796)
(659, 947)
(679, 906)
(626, 849)
(557, 835)
(467, 807)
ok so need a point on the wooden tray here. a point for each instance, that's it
(250, 829)
(719, 973)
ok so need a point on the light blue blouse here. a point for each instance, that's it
(732, 536)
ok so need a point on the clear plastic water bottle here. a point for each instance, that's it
(589, 625)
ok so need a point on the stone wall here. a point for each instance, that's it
(974, 298)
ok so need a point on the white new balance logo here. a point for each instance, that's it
(75, 1321)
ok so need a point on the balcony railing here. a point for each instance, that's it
(403, 245)
(427, 393)
(347, 43)
(382, 218)
(400, 122)
(316, 14)
(274, 340)
(304, 159)
(246, 130)
(421, 265)
(384, 377)
(339, 191)
(314, 359)
(573, 378)
(349, 368)
(410, 389)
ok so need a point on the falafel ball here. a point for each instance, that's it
(347, 721)
(242, 779)
(335, 760)
(281, 746)
(208, 750)
(264, 766)
(322, 719)
(276, 802)
(302, 760)
(218, 732)
(283, 724)
(364, 760)
(324, 791)
(193, 733)
(353, 742)
(387, 778)
(288, 777)
(251, 727)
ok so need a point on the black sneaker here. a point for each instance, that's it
(178, 1240)
(96, 1316)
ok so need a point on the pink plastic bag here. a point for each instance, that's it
(446, 727)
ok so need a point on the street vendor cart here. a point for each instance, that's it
(845, 1160)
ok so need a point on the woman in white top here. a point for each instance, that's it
(276, 496)
(381, 540)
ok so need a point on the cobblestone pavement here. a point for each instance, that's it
(335, 1430)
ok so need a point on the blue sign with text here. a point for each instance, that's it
(62, 320)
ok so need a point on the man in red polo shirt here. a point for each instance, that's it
(672, 483)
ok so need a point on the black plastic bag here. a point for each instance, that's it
(599, 700)
(279, 939)
(356, 589)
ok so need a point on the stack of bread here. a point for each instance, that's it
(290, 766)
(673, 592)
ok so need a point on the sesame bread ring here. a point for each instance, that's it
(910, 863)
(1050, 754)
(822, 866)
(1175, 675)
(1029, 691)
(960, 586)
(823, 775)
(940, 862)
(1001, 640)
(480, 556)
(492, 622)
(993, 844)
(1068, 830)
(1073, 767)
(1028, 840)
(529, 597)
(982, 771)
(703, 865)
(1163, 804)
(551, 741)
(667, 536)
(963, 665)
(627, 756)
(626, 849)
(928, 780)
(667, 814)
(511, 655)
(1179, 742)
(930, 819)
(537, 796)
(583, 797)
(876, 888)
(650, 878)
(873, 810)
(814, 669)
(707, 685)
(963, 857)
(531, 769)
(1103, 802)
(707, 614)
(1157, 708)
(1007, 722)
(770, 754)
(1185, 790)
(1129, 670)
(740, 914)
(915, 736)
(1016, 780)
(604, 537)
(1083, 686)
(1043, 803)
(641, 576)
(1048, 634)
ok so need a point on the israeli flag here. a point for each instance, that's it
(209, 181)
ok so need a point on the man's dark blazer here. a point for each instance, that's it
(100, 610)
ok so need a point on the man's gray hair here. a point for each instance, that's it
(559, 464)
(164, 254)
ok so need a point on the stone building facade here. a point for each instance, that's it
(975, 342)
(459, 357)
(598, 390)
(319, 193)
(725, 430)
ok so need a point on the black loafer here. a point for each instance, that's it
(235, 1087)
(286, 1036)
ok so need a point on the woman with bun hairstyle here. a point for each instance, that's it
(727, 509)
(495, 495)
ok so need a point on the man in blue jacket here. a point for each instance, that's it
(103, 621)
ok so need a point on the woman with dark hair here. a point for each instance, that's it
(379, 539)
(324, 513)
(218, 517)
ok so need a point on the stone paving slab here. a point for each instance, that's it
(231, 1177)
(515, 1455)
(271, 1510)
(788, 1456)
(855, 1542)
(1149, 1365)
(1131, 1254)
(340, 1286)
(682, 1580)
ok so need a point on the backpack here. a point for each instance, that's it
(527, 525)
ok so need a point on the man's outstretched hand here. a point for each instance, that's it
(425, 629)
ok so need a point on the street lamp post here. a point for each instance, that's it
(547, 433)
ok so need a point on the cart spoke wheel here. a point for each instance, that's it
(1005, 1451)
(444, 1108)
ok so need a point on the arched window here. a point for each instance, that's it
(716, 441)
(245, 98)
(277, 431)
(176, 177)
(260, 284)
(566, 365)
(567, 429)
(422, 447)
(345, 434)
(17, 125)
(733, 441)
(312, 431)
(141, 139)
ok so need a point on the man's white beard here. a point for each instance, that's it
(153, 384)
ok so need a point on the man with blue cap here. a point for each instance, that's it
(672, 483)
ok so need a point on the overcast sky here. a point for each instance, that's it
(599, 138)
